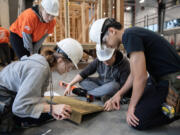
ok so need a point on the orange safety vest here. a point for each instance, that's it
(4, 35)
(29, 23)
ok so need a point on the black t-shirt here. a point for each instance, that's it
(161, 57)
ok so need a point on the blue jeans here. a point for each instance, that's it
(97, 87)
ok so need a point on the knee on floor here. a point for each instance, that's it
(142, 125)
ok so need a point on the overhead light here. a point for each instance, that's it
(128, 8)
(141, 1)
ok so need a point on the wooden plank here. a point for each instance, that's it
(79, 108)
(103, 9)
(4, 13)
(66, 15)
(83, 22)
(99, 9)
(96, 11)
(60, 18)
(87, 9)
(120, 11)
(73, 27)
(87, 1)
(55, 37)
(21, 6)
(89, 46)
(86, 46)
(110, 8)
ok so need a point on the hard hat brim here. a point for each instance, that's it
(53, 14)
(104, 55)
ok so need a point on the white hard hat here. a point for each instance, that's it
(51, 6)
(96, 29)
(103, 53)
(72, 49)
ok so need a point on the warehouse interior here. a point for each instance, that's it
(74, 20)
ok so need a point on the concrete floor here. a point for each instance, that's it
(104, 123)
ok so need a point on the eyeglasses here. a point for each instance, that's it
(108, 23)
(103, 42)
(68, 66)
(59, 50)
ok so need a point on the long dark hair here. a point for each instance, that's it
(52, 55)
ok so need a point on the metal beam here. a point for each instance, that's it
(161, 15)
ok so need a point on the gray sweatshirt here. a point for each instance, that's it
(29, 77)
(118, 72)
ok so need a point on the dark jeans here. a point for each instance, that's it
(30, 122)
(18, 45)
(5, 53)
(7, 97)
(148, 110)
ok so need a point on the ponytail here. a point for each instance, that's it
(49, 54)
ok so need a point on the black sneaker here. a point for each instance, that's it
(105, 98)
(125, 100)
(79, 92)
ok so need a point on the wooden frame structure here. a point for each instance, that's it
(76, 17)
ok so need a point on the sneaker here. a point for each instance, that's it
(125, 100)
(79, 92)
(28, 125)
(105, 98)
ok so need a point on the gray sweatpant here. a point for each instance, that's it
(97, 87)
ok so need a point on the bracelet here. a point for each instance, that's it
(50, 109)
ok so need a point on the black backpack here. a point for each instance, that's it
(6, 115)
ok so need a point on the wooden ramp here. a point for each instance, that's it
(79, 108)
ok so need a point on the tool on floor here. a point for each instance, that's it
(168, 110)
(65, 84)
(172, 106)
(89, 98)
(48, 131)
(78, 91)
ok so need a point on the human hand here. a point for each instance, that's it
(113, 103)
(61, 111)
(67, 90)
(108, 105)
(131, 119)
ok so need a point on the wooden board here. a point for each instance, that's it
(79, 108)
(87, 46)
